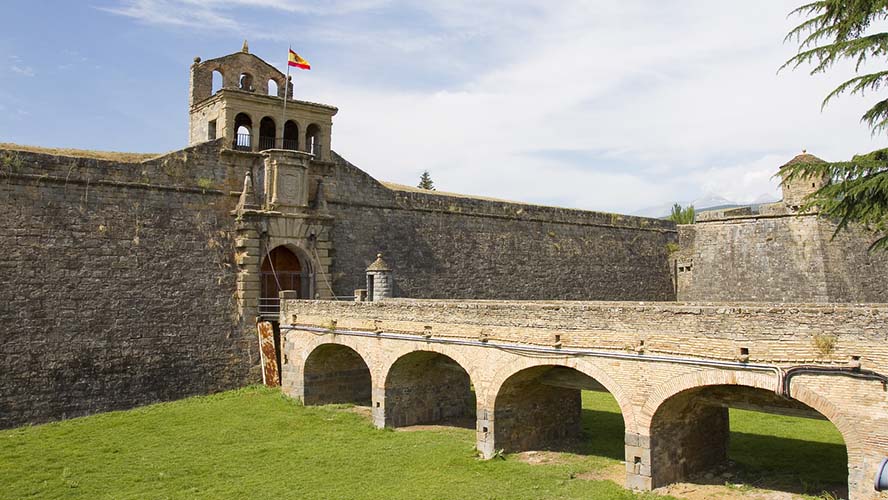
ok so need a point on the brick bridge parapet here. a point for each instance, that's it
(517, 368)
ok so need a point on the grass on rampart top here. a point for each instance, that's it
(80, 153)
(256, 443)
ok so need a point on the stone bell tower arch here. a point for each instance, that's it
(247, 112)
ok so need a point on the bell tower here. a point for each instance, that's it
(239, 98)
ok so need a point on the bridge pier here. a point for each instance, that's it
(484, 433)
(377, 410)
(638, 461)
(688, 439)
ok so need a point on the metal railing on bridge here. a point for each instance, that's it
(269, 309)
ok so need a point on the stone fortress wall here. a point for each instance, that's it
(117, 284)
(778, 252)
(452, 246)
(782, 258)
(121, 279)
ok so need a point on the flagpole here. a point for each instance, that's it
(284, 112)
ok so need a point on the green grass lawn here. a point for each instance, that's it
(256, 443)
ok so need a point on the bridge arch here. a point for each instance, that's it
(538, 405)
(428, 386)
(336, 373)
(688, 423)
(585, 366)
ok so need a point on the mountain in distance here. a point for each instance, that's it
(707, 202)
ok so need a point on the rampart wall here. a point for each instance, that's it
(117, 284)
(779, 258)
(448, 246)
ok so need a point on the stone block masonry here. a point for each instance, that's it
(117, 283)
(673, 369)
(780, 258)
(451, 246)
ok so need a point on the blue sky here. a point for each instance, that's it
(600, 105)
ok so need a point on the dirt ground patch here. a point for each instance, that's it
(615, 473)
(463, 423)
(689, 491)
(541, 457)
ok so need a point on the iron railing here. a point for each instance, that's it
(266, 143)
(242, 142)
(291, 144)
(269, 309)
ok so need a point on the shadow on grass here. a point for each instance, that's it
(790, 465)
(761, 461)
(602, 436)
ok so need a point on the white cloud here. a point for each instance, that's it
(22, 70)
(593, 104)
(219, 14)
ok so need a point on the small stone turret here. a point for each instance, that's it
(380, 285)
(794, 192)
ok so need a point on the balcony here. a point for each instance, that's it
(242, 142)
(266, 143)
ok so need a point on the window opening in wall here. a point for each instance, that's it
(217, 81)
(370, 287)
(267, 134)
(243, 127)
(245, 82)
(211, 130)
(313, 140)
(272, 88)
(291, 135)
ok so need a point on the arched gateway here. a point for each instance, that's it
(281, 270)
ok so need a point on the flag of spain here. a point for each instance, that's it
(295, 60)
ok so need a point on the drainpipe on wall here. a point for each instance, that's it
(882, 476)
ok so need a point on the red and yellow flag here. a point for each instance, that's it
(295, 60)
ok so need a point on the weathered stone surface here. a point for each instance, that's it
(785, 258)
(118, 284)
(672, 395)
(444, 246)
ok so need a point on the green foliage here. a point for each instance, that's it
(682, 215)
(205, 183)
(857, 192)
(10, 162)
(837, 29)
(834, 30)
(425, 181)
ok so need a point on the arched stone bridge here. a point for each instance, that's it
(673, 368)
